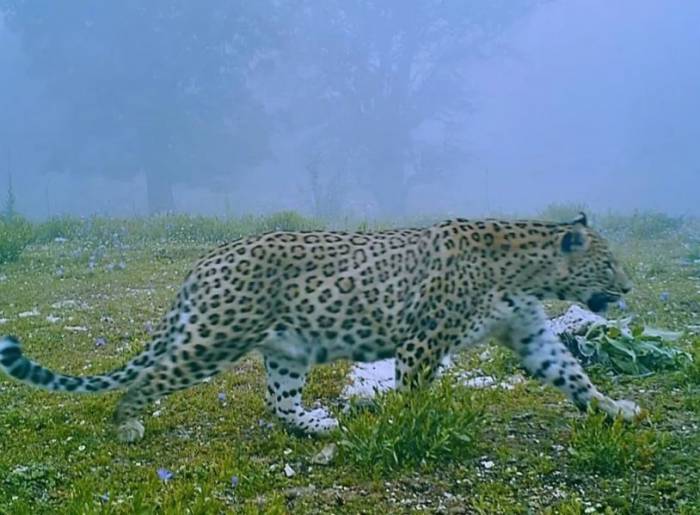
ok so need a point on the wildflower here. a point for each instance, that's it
(100, 342)
(104, 497)
(234, 481)
(222, 397)
(622, 305)
(164, 474)
(664, 296)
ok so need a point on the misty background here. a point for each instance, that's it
(364, 108)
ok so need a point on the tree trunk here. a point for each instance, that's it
(160, 193)
(387, 181)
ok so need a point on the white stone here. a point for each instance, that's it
(289, 471)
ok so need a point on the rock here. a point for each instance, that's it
(299, 491)
(479, 382)
(69, 304)
(76, 328)
(369, 378)
(576, 320)
(289, 471)
(326, 455)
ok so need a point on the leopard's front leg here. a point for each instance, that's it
(547, 358)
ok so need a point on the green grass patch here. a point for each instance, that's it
(612, 448)
(421, 429)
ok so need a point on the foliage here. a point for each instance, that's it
(387, 78)
(10, 208)
(190, 103)
(418, 429)
(611, 448)
(15, 235)
(58, 227)
(635, 351)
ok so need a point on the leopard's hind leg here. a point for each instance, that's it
(176, 370)
(286, 376)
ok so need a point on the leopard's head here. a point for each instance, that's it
(586, 269)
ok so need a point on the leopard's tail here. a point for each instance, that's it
(15, 364)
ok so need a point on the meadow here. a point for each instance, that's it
(83, 295)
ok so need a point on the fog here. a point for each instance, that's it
(367, 108)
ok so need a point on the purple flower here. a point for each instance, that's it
(164, 474)
(100, 342)
(221, 397)
(234, 481)
(664, 296)
(622, 305)
(104, 497)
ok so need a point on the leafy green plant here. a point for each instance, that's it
(611, 448)
(633, 351)
(416, 429)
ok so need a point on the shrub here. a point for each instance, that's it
(57, 227)
(15, 235)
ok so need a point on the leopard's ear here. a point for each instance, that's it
(574, 240)
(581, 219)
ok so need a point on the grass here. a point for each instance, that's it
(424, 430)
(472, 451)
(609, 448)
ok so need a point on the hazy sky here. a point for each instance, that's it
(593, 102)
(600, 104)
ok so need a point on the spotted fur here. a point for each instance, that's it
(302, 298)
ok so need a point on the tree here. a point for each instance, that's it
(376, 71)
(9, 210)
(155, 88)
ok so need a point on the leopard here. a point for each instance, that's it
(304, 298)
